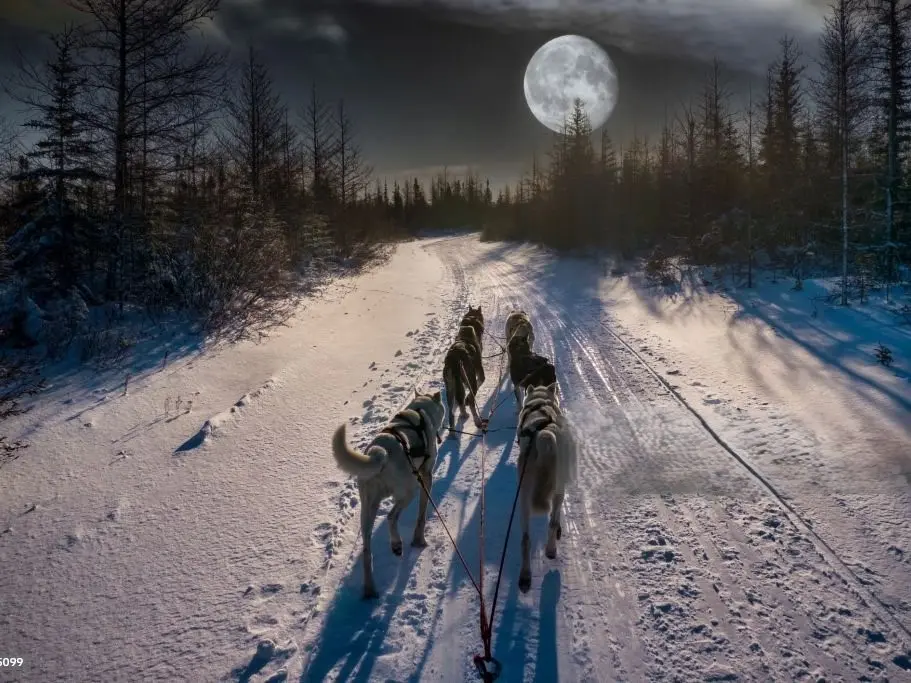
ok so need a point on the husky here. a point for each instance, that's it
(463, 373)
(527, 368)
(403, 452)
(518, 324)
(475, 319)
(547, 456)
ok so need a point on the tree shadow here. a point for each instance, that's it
(833, 335)
(789, 316)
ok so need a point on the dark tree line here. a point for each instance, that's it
(164, 177)
(813, 171)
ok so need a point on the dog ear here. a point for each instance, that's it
(554, 389)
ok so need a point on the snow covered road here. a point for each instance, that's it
(234, 554)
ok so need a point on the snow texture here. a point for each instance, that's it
(740, 511)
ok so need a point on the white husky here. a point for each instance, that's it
(404, 450)
(547, 455)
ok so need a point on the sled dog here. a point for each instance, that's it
(527, 368)
(475, 319)
(386, 469)
(547, 454)
(463, 372)
(518, 324)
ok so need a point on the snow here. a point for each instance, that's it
(740, 512)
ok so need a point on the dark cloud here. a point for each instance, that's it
(433, 84)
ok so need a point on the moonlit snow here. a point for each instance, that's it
(741, 510)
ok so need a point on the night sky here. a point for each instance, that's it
(440, 84)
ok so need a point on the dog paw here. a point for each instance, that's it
(419, 542)
(524, 582)
(396, 548)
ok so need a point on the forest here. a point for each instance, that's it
(155, 177)
(811, 176)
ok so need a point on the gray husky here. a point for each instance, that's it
(404, 450)
(518, 324)
(463, 368)
(547, 455)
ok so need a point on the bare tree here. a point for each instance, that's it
(350, 172)
(319, 143)
(141, 70)
(10, 151)
(254, 126)
(841, 94)
(750, 181)
(687, 141)
(291, 167)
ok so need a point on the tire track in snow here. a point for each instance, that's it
(638, 600)
(582, 562)
(794, 517)
(677, 518)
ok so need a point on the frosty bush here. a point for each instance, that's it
(659, 270)
(239, 280)
(18, 379)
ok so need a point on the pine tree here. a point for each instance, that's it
(780, 145)
(350, 173)
(254, 128)
(56, 94)
(143, 74)
(319, 143)
(891, 63)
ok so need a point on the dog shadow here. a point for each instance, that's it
(353, 634)
(513, 614)
(546, 668)
(354, 630)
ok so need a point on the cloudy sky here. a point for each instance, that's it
(439, 83)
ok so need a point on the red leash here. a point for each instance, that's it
(488, 668)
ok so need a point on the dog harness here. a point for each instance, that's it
(397, 432)
(547, 418)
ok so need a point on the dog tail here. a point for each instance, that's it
(354, 462)
(546, 471)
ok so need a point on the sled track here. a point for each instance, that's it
(621, 611)
(334, 570)
(603, 533)
(794, 517)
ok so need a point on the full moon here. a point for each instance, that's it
(567, 68)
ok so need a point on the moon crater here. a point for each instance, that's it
(567, 68)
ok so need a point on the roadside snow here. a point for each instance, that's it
(790, 378)
(154, 535)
